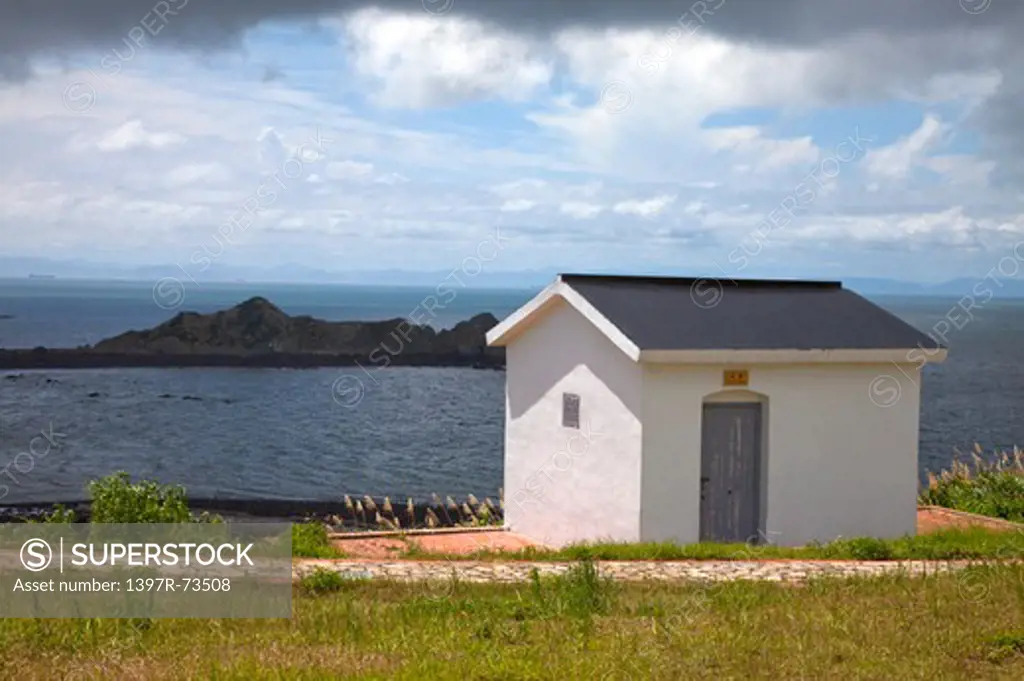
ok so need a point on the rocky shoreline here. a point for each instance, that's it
(256, 333)
(354, 514)
(62, 358)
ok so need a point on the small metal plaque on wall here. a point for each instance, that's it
(735, 377)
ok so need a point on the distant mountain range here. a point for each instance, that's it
(42, 268)
(958, 288)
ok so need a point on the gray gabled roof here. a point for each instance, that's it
(670, 313)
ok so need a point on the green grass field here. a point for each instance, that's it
(944, 545)
(968, 625)
(965, 625)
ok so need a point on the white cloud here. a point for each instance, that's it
(694, 207)
(645, 209)
(754, 150)
(292, 223)
(961, 169)
(132, 135)
(347, 170)
(518, 187)
(581, 210)
(897, 160)
(193, 173)
(662, 103)
(912, 232)
(517, 205)
(392, 179)
(419, 60)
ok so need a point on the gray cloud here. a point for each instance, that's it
(272, 73)
(60, 27)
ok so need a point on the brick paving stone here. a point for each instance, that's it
(682, 571)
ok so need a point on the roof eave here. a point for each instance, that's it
(522, 319)
(897, 356)
(515, 323)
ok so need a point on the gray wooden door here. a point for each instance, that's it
(730, 472)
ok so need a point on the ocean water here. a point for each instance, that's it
(289, 434)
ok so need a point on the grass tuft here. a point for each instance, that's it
(861, 548)
(993, 487)
(1004, 646)
(321, 581)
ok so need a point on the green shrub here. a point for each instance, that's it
(993, 488)
(309, 540)
(321, 581)
(859, 548)
(115, 499)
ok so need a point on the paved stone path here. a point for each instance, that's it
(791, 571)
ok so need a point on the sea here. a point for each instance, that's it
(291, 434)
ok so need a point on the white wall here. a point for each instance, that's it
(837, 464)
(564, 485)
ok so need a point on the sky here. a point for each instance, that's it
(799, 138)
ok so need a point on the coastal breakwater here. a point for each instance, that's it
(352, 513)
(256, 333)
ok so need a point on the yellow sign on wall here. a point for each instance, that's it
(735, 377)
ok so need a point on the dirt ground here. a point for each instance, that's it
(456, 542)
(934, 518)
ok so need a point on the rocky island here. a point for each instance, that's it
(256, 333)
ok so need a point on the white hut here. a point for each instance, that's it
(657, 408)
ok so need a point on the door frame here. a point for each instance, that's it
(740, 397)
